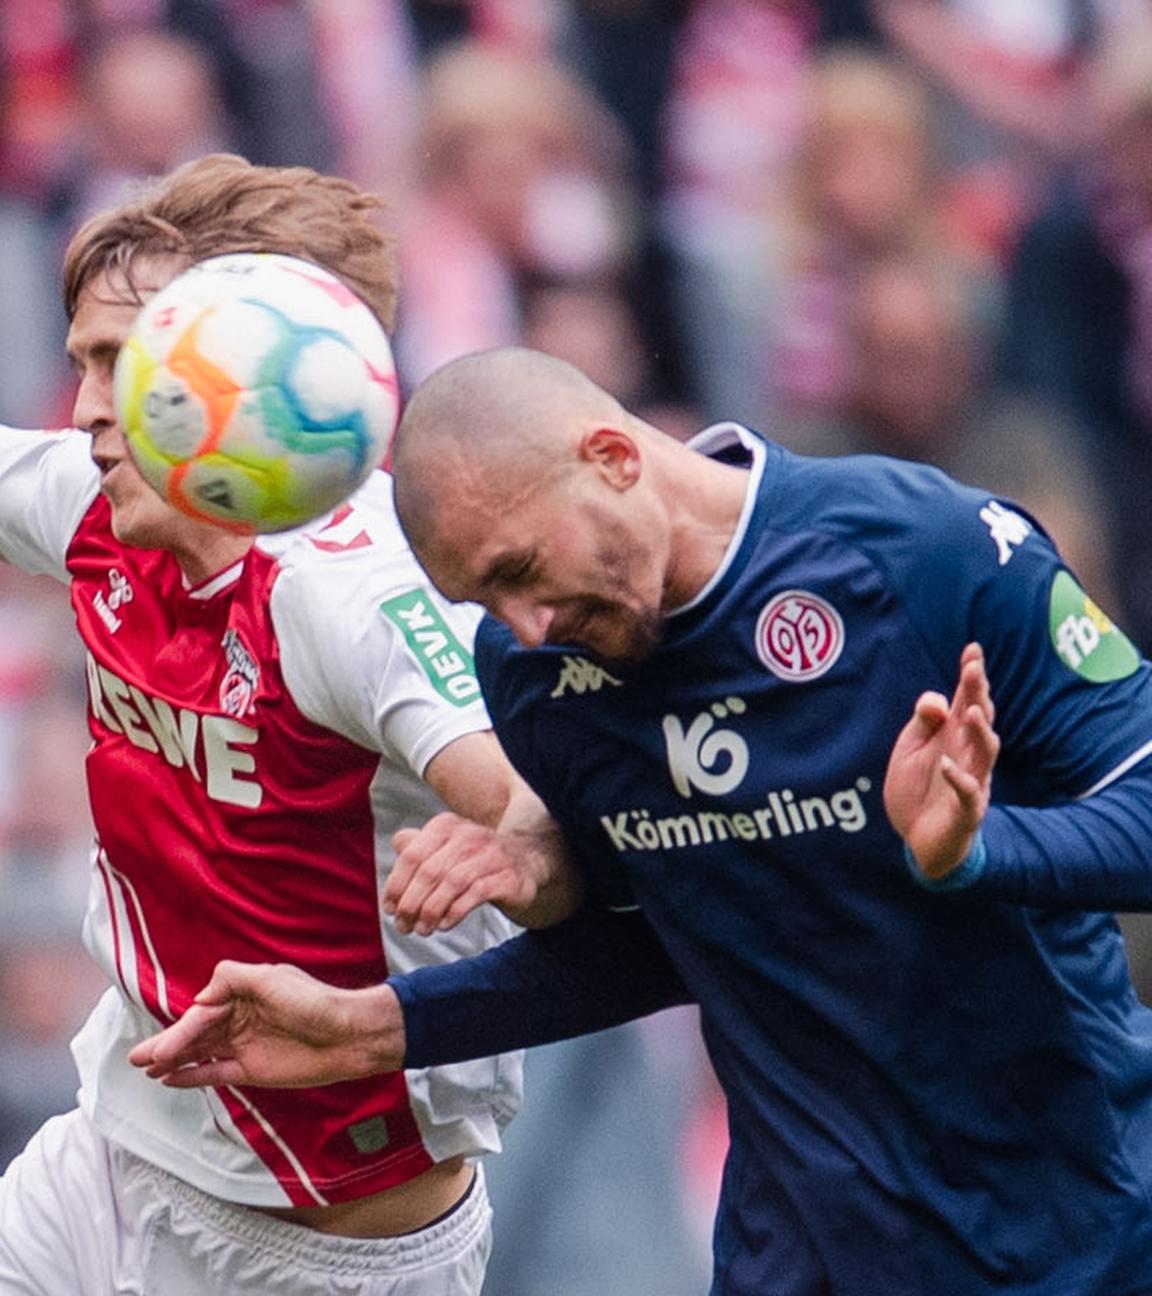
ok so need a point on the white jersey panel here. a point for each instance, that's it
(47, 482)
(413, 689)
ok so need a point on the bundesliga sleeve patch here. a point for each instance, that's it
(444, 659)
(1086, 640)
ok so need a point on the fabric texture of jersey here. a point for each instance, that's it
(927, 1092)
(256, 742)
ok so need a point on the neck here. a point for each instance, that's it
(216, 551)
(706, 500)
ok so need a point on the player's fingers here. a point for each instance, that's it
(229, 979)
(499, 891)
(214, 1072)
(983, 741)
(408, 906)
(930, 712)
(195, 1035)
(967, 788)
(454, 900)
(973, 688)
(422, 856)
(461, 887)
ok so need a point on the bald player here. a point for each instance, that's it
(704, 658)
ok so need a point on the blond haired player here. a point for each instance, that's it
(264, 715)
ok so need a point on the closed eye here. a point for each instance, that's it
(511, 570)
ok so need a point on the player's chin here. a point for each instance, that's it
(141, 522)
(629, 642)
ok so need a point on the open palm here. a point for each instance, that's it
(940, 772)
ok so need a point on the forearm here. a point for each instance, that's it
(1090, 854)
(559, 886)
(590, 972)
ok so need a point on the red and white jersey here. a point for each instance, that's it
(256, 742)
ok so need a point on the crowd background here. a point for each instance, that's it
(921, 227)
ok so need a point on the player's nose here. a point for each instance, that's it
(93, 407)
(528, 621)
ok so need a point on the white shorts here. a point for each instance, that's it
(82, 1217)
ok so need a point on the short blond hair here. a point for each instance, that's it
(222, 203)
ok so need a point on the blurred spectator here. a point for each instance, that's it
(47, 981)
(733, 119)
(129, 135)
(1079, 319)
(524, 176)
(48, 985)
(621, 1217)
(1005, 74)
(366, 75)
(32, 328)
(922, 385)
(865, 185)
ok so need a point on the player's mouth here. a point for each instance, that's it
(106, 466)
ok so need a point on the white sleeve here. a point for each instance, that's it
(380, 658)
(47, 482)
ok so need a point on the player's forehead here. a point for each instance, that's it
(109, 301)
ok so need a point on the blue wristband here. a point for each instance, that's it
(967, 873)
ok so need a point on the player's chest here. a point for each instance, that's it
(770, 728)
(155, 651)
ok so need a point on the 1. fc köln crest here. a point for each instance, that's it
(241, 677)
(799, 635)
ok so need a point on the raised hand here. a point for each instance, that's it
(272, 1025)
(940, 772)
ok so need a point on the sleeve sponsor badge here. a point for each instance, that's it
(432, 641)
(1084, 638)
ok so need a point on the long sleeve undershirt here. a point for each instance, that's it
(1090, 854)
(598, 969)
(594, 970)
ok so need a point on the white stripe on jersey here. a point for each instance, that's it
(258, 1116)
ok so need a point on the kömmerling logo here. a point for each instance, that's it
(785, 815)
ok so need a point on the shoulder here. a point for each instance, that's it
(882, 503)
(342, 567)
(518, 683)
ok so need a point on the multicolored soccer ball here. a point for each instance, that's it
(256, 392)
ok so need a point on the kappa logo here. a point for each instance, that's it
(107, 605)
(799, 636)
(1008, 529)
(241, 679)
(579, 675)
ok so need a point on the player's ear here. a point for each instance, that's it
(613, 453)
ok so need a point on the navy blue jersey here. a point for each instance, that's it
(928, 1093)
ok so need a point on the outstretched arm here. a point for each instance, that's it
(273, 1025)
(939, 775)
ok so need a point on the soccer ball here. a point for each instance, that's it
(256, 391)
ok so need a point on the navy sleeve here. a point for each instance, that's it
(1073, 696)
(1069, 825)
(592, 971)
(1090, 854)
